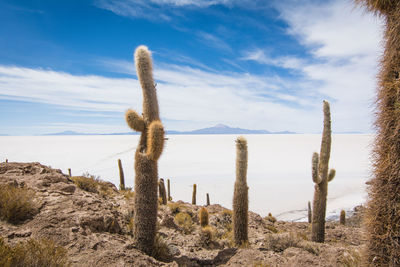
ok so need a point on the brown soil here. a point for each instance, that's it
(94, 228)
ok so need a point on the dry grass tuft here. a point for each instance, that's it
(175, 207)
(93, 184)
(185, 221)
(16, 204)
(161, 250)
(33, 253)
(207, 235)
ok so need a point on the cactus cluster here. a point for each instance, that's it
(240, 195)
(147, 153)
(321, 175)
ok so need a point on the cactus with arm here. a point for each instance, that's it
(321, 176)
(147, 153)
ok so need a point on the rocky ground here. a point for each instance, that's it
(95, 229)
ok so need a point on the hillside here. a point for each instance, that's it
(93, 225)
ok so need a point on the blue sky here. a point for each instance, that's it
(68, 65)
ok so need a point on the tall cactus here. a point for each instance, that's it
(194, 194)
(309, 212)
(147, 153)
(121, 176)
(382, 212)
(169, 190)
(161, 191)
(240, 195)
(321, 177)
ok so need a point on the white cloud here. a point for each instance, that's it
(185, 95)
(345, 44)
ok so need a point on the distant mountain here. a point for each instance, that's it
(224, 129)
(217, 129)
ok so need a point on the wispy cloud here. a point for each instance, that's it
(344, 49)
(213, 41)
(185, 93)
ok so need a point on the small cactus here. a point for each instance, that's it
(148, 151)
(321, 177)
(194, 194)
(6, 160)
(162, 192)
(240, 195)
(342, 217)
(208, 199)
(169, 190)
(69, 173)
(203, 217)
(121, 176)
(309, 212)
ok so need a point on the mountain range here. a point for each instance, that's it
(217, 129)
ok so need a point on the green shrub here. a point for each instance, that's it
(33, 253)
(16, 204)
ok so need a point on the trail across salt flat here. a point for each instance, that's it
(279, 174)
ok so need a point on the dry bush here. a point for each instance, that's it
(33, 253)
(127, 193)
(161, 250)
(175, 207)
(272, 228)
(93, 184)
(206, 236)
(270, 218)
(16, 204)
(184, 220)
(280, 242)
(351, 258)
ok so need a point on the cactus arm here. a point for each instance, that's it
(134, 120)
(155, 140)
(331, 175)
(144, 69)
(315, 174)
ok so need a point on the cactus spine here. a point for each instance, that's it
(169, 190)
(203, 214)
(162, 192)
(382, 212)
(194, 194)
(309, 212)
(121, 176)
(321, 177)
(240, 195)
(147, 153)
(342, 217)
(208, 199)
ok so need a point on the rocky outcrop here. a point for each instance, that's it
(95, 228)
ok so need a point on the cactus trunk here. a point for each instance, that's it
(208, 199)
(169, 190)
(69, 173)
(309, 212)
(342, 217)
(121, 176)
(194, 194)
(147, 153)
(240, 195)
(162, 192)
(382, 213)
(321, 177)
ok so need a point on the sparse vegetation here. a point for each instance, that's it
(16, 204)
(175, 207)
(184, 220)
(161, 251)
(33, 253)
(93, 184)
(206, 236)
(270, 218)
